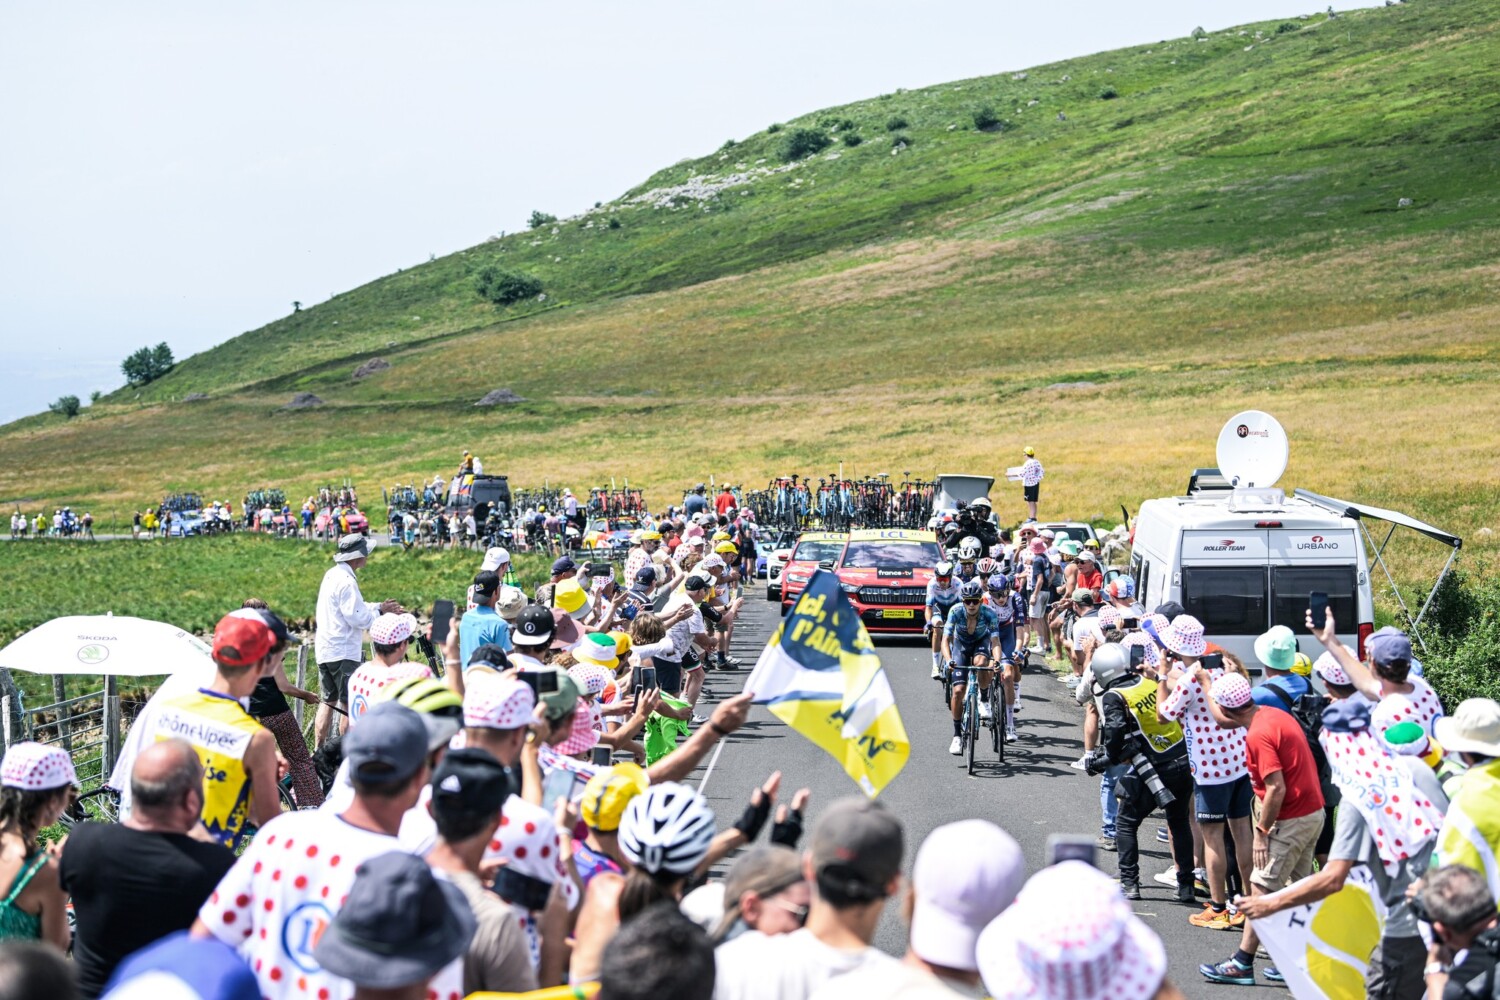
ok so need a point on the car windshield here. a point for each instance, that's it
(626, 524)
(890, 555)
(817, 551)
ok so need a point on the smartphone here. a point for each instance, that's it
(1129, 624)
(1070, 847)
(1212, 661)
(557, 785)
(1137, 657)
(541, 681)
(604, 571)
(600, 756)
(442, 621)
(1317, 605)
(648, 679)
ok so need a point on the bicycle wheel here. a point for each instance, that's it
(971, 722)
(997, 719)
(102, 805)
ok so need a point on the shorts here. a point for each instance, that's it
(964, 651)
(668, 675)
(1039, 601)
(1230, 800)
(334, 678)
(1029, 493)
(1291, 850)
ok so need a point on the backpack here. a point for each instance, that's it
(1308, 712)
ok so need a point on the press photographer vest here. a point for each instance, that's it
(1140, 697)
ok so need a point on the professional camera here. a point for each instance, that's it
(1147, 773)
(1096, 761)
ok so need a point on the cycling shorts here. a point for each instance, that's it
(964, 649)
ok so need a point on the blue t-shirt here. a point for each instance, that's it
(480, 626)
(695, 504)
(1294, 686)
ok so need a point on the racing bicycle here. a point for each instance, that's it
(972, 726)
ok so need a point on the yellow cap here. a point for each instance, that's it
(721, 536)
(608, 793)
(651, 536)
(622, 643)
(569, 595)
(1030, 451)
(726, 549)
(1302, 665)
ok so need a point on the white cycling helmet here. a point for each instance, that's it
(944, 568)
(987, 567)
(968, 549)
(667, 828)
(981, 502)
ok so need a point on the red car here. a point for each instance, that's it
(884, 572)
(812, 548)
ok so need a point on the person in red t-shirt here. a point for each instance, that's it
(724, 501)
(1288, 810)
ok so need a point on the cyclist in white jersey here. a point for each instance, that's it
(942, 595)
(968, 560)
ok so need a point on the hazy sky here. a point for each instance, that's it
(182, 172)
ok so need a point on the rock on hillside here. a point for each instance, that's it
(303, 401)
(499, 397)
(370, 368)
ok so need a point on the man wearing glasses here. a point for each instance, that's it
(971, 638)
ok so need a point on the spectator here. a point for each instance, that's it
(30, 970)
(966, 873)
(766, 891)
(1071, 936)
(483, 624)
(390, 638)
(1277, 652)
(399, 927)
(534, 633)
(268, 706)
(660, 955)
(496, 560)
(685, 632)
(179, 967)
(1470, 833)
(535, 877)
(602, 807)
(342, 616)
(563, 568)
(1031, 482)
(1288, 813)
(469, 788)
(310, 857)
(854, 863)
(696, 502)
(36, 786)
(138, 881)
(1465, 951)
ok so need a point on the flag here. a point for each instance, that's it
(819, 674)
(1323, 949)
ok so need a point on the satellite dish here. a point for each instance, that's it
(1252, 450)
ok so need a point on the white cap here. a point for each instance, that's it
(966, 873)
(494, 557)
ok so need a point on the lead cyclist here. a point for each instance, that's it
(970, 638)
(942, 595)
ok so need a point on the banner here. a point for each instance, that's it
(820, 675)
(1323, 949)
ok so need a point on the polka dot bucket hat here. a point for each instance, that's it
(34, 767)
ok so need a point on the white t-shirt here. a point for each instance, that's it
(755, 966)
(1217, 755)
(368, 681)
(682, 633)
(877, 981)
(1421, 706)
(282, 893)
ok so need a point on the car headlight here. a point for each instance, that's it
(849, 588)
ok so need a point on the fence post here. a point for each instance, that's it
(64, 713)
(111, 726)
(301, 681)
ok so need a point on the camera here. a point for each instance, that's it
(1147, 773)
(1096, 762)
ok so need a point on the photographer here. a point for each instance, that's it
(1456, 902)
(1157, 754)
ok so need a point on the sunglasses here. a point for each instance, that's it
(972, 601)
(799, 913)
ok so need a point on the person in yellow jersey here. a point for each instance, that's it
(237, 753)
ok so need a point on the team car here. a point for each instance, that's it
(884, 572)
(812, 549)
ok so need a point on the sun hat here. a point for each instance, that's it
(565, 634)
(1070, 935)
(764, 869)
(241, 642)
(494, 557)
(1277, 648)
(1332, 672)
(388, 746)
(510, 603)
(1230, 691)
(650, 535)
(590, 677)
(1388, 645)
(534, 627)
(1121, 588)
(1109, 616)
(389, 629)
(1067, 548)
(711, 562)
(35, 767)
(182, 967)
(1030, 451)
(493, 702)
(622, 643)
(1185, 637)
(1406, 739)
(572, 598)
(721, 536)
(1143, 640)
(1474, 727)
(352, 547)
(399, 924)
(597, 648)
(584, 736)
(1050, 535)
(726, 549)
(1085, 555)
(966, 874)
(1302, 665)
(1038, 547)
(609, 792)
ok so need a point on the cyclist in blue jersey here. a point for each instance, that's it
(968, 560)
(1010, 609)
(942, 595)
(971, 638)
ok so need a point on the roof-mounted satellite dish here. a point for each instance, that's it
(1252, 450)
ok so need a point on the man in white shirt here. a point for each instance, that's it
(684, 633)
(342, 617)
(854, 863)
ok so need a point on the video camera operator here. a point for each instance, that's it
(974, 519)
(1159, 775)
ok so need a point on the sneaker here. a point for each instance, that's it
(956, 747)
(1131, 890)
(1236, 920)
(1208, 917)
(1035, 647)
(1010, 734)
(1229, 971)
(937, 671)
(985, 715)
(699, 720)
(1078, 764)
(730, 661)
(1273, 974)
(1186, 895)
(1168, 877)
(1107, 843)
(1161, 835)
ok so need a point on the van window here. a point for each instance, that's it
(1290, 586)
(1228, 600)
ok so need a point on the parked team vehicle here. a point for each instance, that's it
(884, 572)
(813, 550)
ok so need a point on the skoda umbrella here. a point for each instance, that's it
(108, 644)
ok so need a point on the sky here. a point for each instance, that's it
(185, 171)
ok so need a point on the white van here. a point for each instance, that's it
(1241, 561)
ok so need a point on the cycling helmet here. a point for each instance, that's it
(986, 567)
(608, 793)
(1111, 661)
(441, 709)
(968, 549)
(943, 570)
(667, 829)
(999, 582)
(981, 502)
(970, 591)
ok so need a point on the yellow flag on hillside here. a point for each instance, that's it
(819, 674)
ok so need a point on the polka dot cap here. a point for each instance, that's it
(1231, 691)
(590, 677)
(1070, 935)
(1141, 639)
(1328, 668)
(36, 768)
(1109, 616)
(498, 703)
(390, 629)
(584, 736)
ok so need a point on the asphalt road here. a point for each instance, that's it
(1034, 794)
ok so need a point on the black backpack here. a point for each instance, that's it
(1308, 711)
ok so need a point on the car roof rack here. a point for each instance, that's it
(1207, 480)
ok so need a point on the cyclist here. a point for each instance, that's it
(971, 638)
(942, 595)
(968, 559)
(1010, 610)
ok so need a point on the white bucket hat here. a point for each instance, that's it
(966, 873)
(1185, 636)
(1474, 727)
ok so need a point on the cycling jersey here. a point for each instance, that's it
(986, 625)
(219, 729)
(964, 575)
(942, 599)
(1009, 610)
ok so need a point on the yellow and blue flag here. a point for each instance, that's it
(820, 675)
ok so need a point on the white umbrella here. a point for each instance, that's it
(107, 644)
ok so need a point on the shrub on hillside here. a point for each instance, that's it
(1199, 33)
(985, 118)
(1463, 641)
(506, 287)
(896, 124)
(728, 144)
(900, 139)
(852, 139)
(540, 219)
(800, 142)
(1287, 27)
(614, 222)
(147, 364)
(66, 405)
(1108, 94)
(774, 127)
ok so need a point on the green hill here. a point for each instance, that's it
(1298, 215)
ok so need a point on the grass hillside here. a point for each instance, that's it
(1298, 215)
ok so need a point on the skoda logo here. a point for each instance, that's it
(1242, 430)
(93, 653)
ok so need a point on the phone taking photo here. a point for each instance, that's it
(1317, 606)
(648, 679)
(1070, 847)
(557, 785)
(1212, 661)
(442, 621)
(541, 681)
